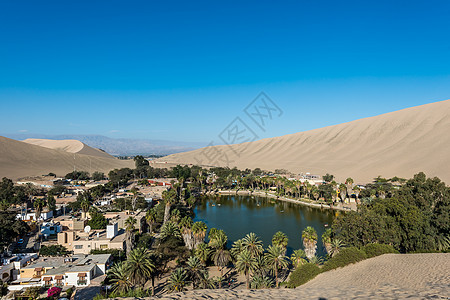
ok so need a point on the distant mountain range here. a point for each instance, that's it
(118, 146)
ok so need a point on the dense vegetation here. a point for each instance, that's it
(53, 250)
(413, 218)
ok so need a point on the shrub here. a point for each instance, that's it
(53, 292)
(69, 292)
(373, 250)
(345, 257)
(303, 274)
(53, 250)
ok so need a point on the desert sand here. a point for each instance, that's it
(400, 143)
(72, 146)
(20, 159)
(390, 276)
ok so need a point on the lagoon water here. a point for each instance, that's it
(238, 215)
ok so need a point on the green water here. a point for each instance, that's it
(239, 215)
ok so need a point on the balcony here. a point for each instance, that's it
(82, 282)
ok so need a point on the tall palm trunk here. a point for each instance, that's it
(166, 213)
(276, 276)
(153, 285)
(247, 277)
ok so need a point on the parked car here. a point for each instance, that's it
(20, 241)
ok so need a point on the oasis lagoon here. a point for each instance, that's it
(239, 215)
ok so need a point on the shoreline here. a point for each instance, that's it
(285, 199)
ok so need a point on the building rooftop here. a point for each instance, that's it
(82, 236)
(45, 262)
(79, 262)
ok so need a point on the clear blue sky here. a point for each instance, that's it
(183, 70)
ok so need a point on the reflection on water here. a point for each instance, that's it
(239, 215)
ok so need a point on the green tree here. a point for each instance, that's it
(253, 244)
(276, 260)
(199, 232)
(281, 240)
(97, 221)
(203, 252)
(119, 278)
(129, 231)
(177, 280)
(195, 269)
(39, 205)
(170, 229)
(309, 236)
(261, 282)
(169, 198)
(139, 266)
(326, 240)
(150, 217)
(98, 176)
(298, 258)
(246, 263)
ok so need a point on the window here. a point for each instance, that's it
(104, 246)
(78, 246)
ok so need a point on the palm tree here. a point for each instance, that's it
(139, 266)
(238, 247)
(39, 205)
(221, 255)
(134, 198)
(221, 258)
(169, 197)
(443, 242)
(217, 238)
(246, 263)
(195, 268)
(281, 240)
(261, 266)
(326, 240)
(261, 282)
(150, 217)
(129, 229)
(336, 245)
(309, 236)
(203, 252)
(199, 232)
(206, 282)
(175, 216)
(298, 258)
(253, 244)
(276, 260)
(170, 229)
(119, 278)
(186, 232)
(316, 260)
(349, 185)
(177, 280)
(342, 192)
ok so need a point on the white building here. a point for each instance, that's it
(31, 216)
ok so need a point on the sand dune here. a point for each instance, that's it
(390, 276)
(400, 143)
(19, 159)
(72, 146)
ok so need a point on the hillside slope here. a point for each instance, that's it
(390, 276)
(399, 143)
(72, 146)
(19, 159)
